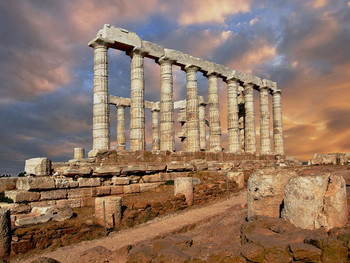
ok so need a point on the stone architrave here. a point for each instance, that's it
(249, 125)
(202, 133)
(101, 122)
(39, 166)
(155, 130)
(234, 144)
(137, 107)
(5, 233)
(121, 128)
(113, 208)
(79, 153)
(278, 140)
(184, 185)
(214, 114)
(315, 201)
(192, 110)
(265, 141)
(167, 135)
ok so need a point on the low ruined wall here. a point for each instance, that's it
(330, 159)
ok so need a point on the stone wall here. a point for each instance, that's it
(7, 183)
(330, 159)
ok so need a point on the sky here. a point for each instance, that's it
(46, 67)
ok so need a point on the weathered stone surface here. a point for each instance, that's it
(314, 201)
(89, 182)
(107, 171)
(53, 195)
(62, 183)
(95, 254)
(324, 158)
(253, 252)
(121, 180)
(167, 252)
(35, 183)
(176, 166)
(141, 254)
(238, 178)
(148, 186)
(134, 169)
(38, 166)
(155, 167)
(266, 191)
(7, 183)
(152, 178)
(79, 153)
(16, 208)
(19, 196)
(81, 192)
(131, 189)
(116, 190)
(79, 171)
(199, 165)
(103, 190)
(184, 185)
(5, 233)
(113, 209)
(305, 252)
(178, 240)
(42, 203)
(73, 184)
(72, 203)
(45, 260)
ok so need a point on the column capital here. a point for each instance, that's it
(100, 42)
(121, 106)
(164, 60)
(278, 91)
(190, 68)
(263, 88)
(212, 73)
(232, 79)
(136, 51)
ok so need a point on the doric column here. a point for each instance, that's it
(101, 122)
(214, 114)
(202, 134)
(192, 110)
(265, 143)
(234, 144)
(167, 134)
(121, 128)
(249, 125)
(277, 122)
(155, 130)
(137, 107)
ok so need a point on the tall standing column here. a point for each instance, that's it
(202, 134)
(265, 142)
(277, 122)
(192, 110)
(137, 108)
(155, 130)
(234, 144)
(121, 128)
(249, 125)
(214, 114)
(167, 134)
(101, 122)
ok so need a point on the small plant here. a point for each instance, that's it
(169, 182)
(4, 199)
(21, 174)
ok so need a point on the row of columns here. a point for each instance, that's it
(195, 140)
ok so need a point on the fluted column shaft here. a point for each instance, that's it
(214, 114)
(277, 123)
(101, 122)
(137, 108)
(155, 130)
(234, 143)
(202, 135)
(249, 125)
(192, 110)
(121, 128)
(265, 142)
(167, 134)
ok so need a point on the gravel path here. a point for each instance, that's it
(151, 230)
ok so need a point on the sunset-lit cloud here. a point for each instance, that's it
(46, 66)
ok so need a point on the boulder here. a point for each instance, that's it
(312, 202)
(39, 166)
(95, 254)
(253, 252)
(266, 191)
(305, 252)
(141, 254)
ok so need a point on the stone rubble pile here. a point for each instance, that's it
(330, 158)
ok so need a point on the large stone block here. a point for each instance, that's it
(81, 193)
(117, 190)
(77, 171)
(113, 211)
(266, 191)
(184, 185)
(103, 190)
(311, 202)
(19, 196)
(89, 182)
(16, 208)
(131, 189)
(176, 166)
(107, 170)
(54, 194)
(72, 203)
(148, 186)
(155, 167)
(35, 183)
(7, 183)
(121, 180)
(62, 183)
(152, 178)
(134, 169)
(5, 233)
(238, 178)
(38, 166)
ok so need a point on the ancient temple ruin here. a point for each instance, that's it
(240, 87)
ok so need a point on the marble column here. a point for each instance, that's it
(234, 144)
(277, 122)
(121, 128)
(155, 130)
(214, 114)
(192, 110)
(202, 133)
(265, 142)
(167, 134)
(137, 107)
(101, 122)
(249, 125)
